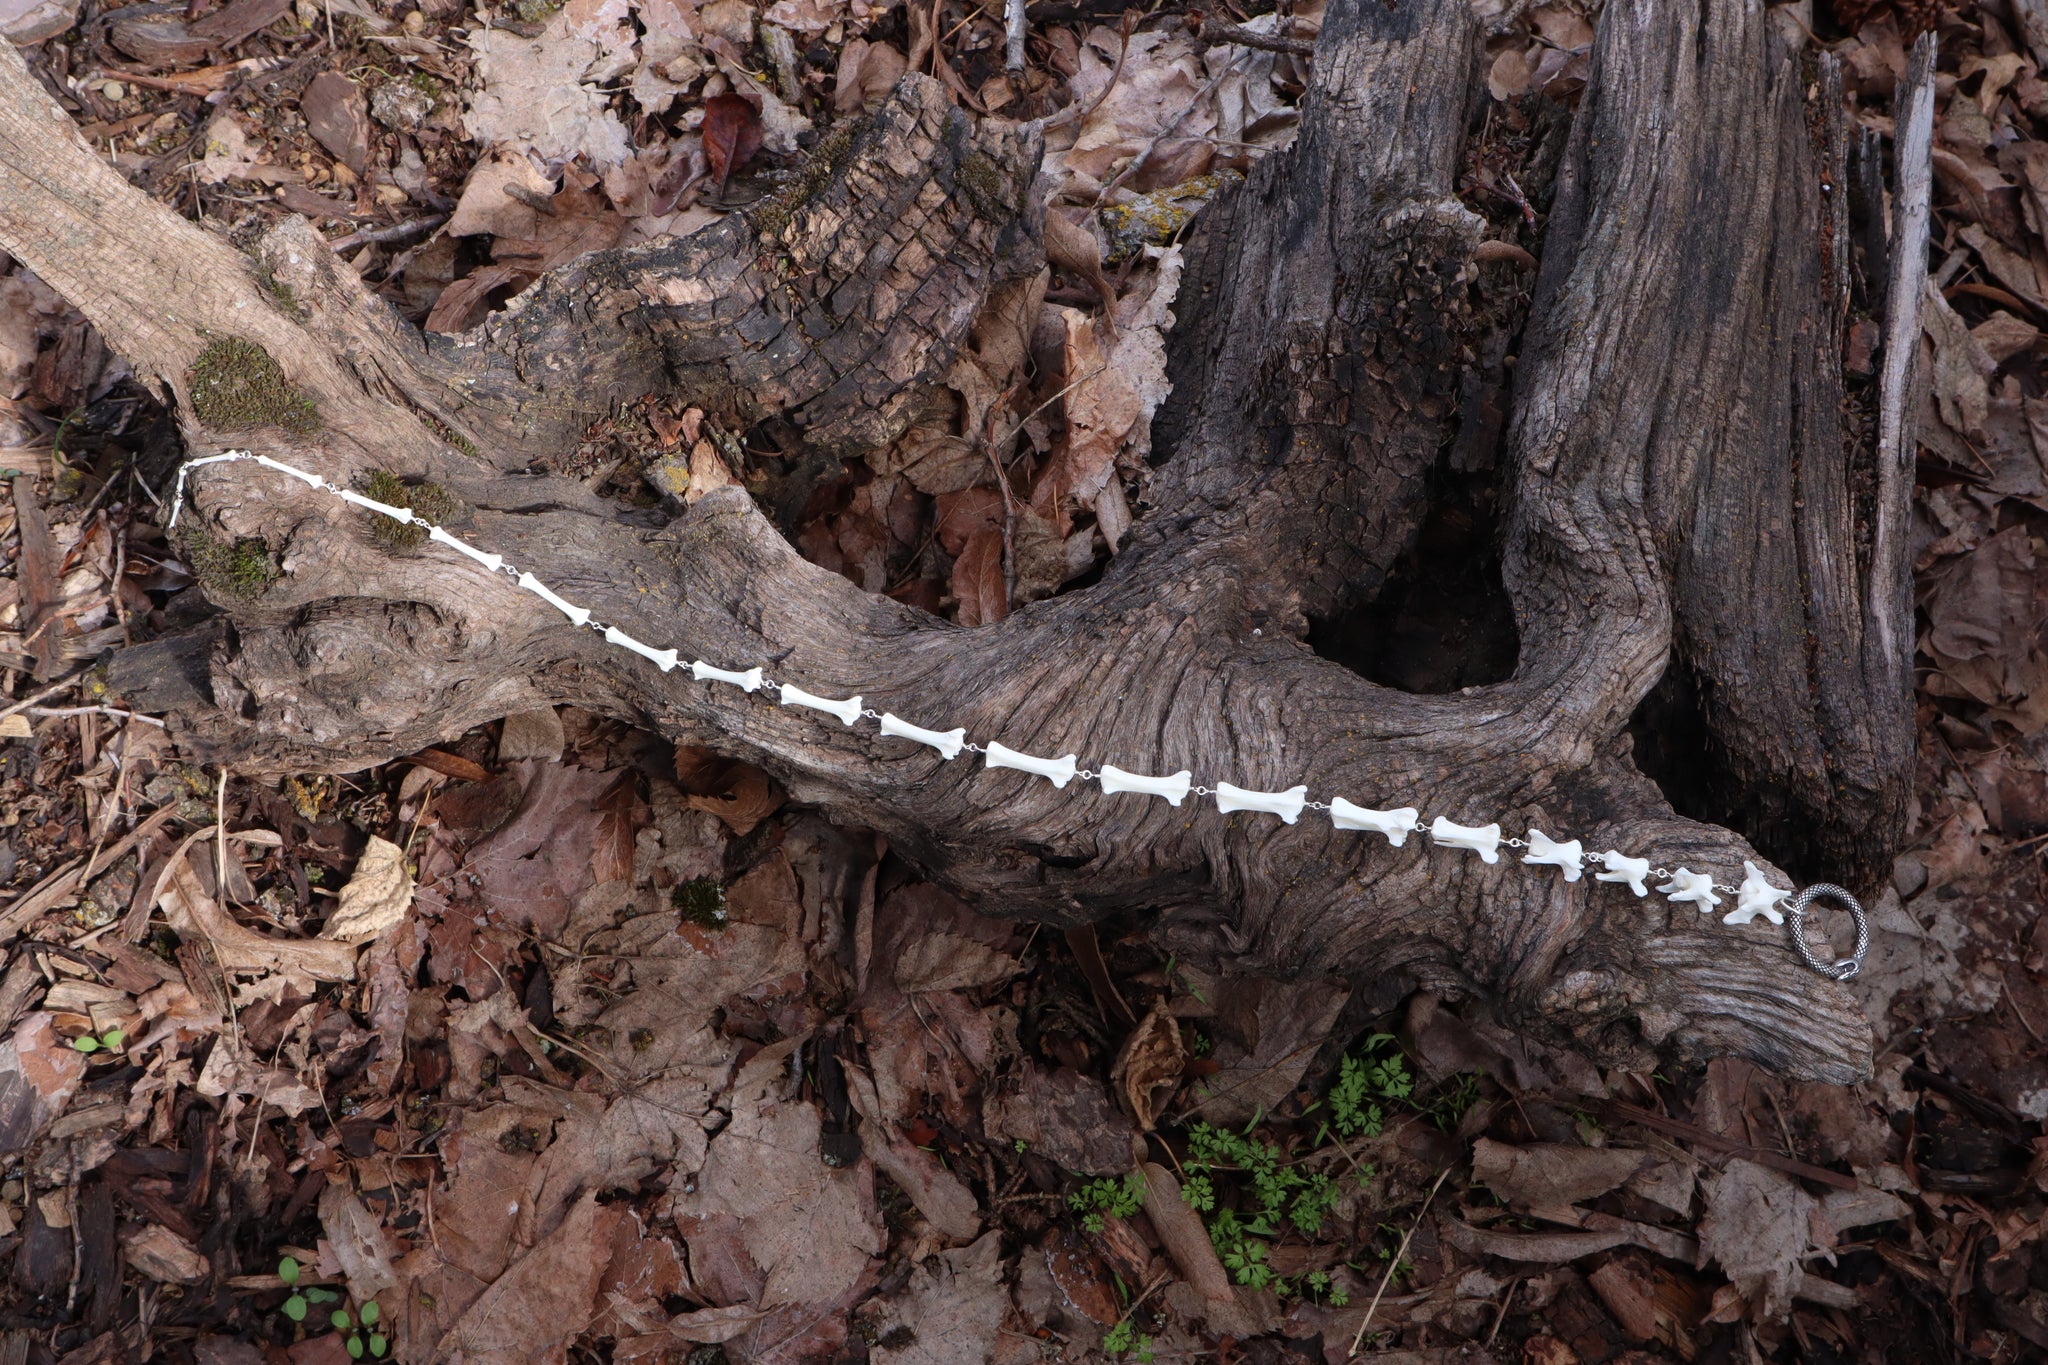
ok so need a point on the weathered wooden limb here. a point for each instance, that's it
(1315, 380)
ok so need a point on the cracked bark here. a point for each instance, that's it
(1681, 498)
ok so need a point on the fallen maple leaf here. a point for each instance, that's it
(732, 134)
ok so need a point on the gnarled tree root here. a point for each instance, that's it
(1681, 496)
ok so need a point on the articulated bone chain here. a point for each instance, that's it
(1755, 897)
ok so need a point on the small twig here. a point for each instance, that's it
(1507, 1302)
(1239, 36)
(1168, 131)
(52, 690)
(397, 232)
(120, 568)
(1395, 1263)
(1013, 36)
(113, 711)
(1887, 603)
(1067, 115)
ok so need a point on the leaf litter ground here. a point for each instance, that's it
(554, 1043)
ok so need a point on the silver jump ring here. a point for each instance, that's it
(1796, 911)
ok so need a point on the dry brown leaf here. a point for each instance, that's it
(531, 871)
(39, 1072)
(1148, 1068)
(487, 205)
(1510, 73)
(811, 1229)
(1186, 1240)
(164, 1256)
(377, 897)
(548, 1297)
(1984, 617)
(543, 94)
(1080, 1275)
(2004, 336)
(950, 1311)
(1758, 1227)
(959, 517)
(338, 119)
(2009, 267)
(531, 734)
(1266, 1034)
(708, 473)
(950, 962)
(946, 1203)
(194, 913)
(359, 1241)
(867, 73)
(1547, 1174)
(1961, 367)
(670, 58)
(1065, 1117)
(742, 799)
(978, 580)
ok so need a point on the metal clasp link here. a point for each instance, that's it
(1795, 913)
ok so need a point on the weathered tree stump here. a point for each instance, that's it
(1683, 505)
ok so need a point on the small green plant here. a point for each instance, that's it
(363, 1338)
(1126, 1339)
(701, 902)
(1453, 1100)
(1317, 1285)
(1366, 1081)
(110, 1041)
(1114, 1198)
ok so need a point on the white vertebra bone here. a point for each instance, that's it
(1696, 887)
(491, 562)
(665, 658)
(402, 515)
(947, 742)
(1058, 771)
(848, 711)
(1395, 824)
(1287, 805)
(313, 480)
(1485, 840)
(1174, 788)
(1622, 868)
(1756, 897)
(576, 615)
(747, 681)
(1545, 850)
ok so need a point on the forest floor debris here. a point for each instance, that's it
(555, 1043)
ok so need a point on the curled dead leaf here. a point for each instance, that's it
(376, 898)
(738, 793)
(1148, 1069)
(1490, 251)
(732, 134)
(192, 912)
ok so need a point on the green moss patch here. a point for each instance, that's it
(236, 386)
(770, 217)
(243, 569)
(428, 500)
(700, 902)
(449, 435)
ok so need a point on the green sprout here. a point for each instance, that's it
(110, 1041)
(1101, 1199)
(1126, 1339)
